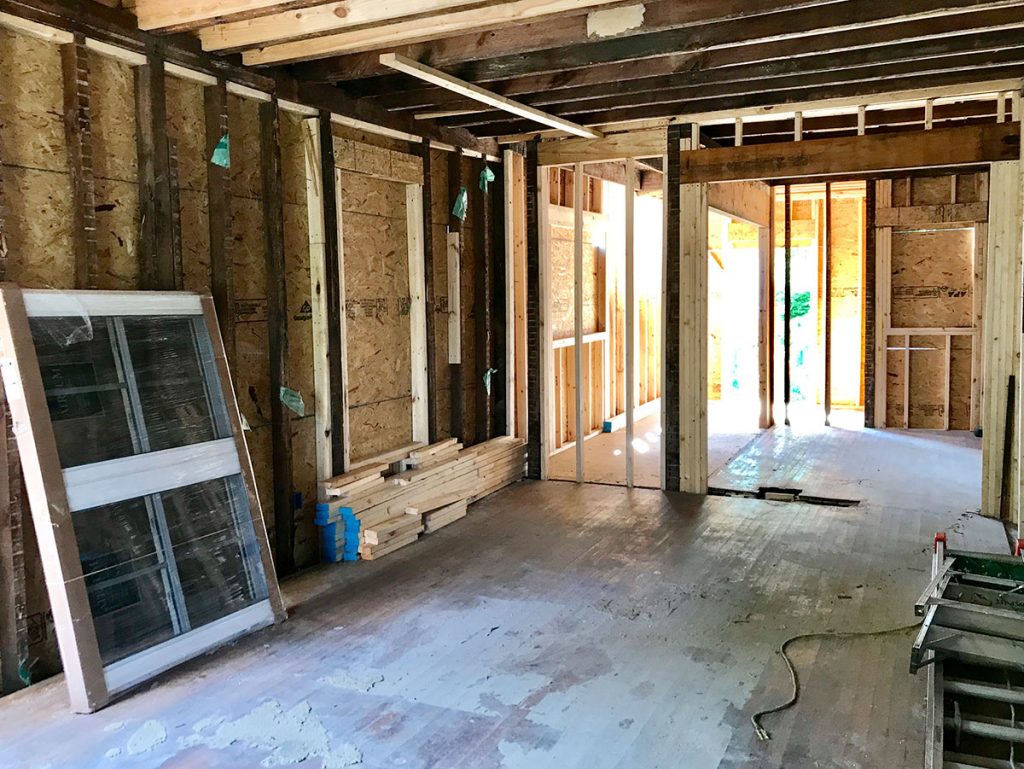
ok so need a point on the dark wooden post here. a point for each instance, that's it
(455, 225)
(534, 351)
(670, 398)
(222, 284)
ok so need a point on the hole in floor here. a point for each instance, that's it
(781, 494)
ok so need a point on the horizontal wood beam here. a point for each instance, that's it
(416, 30)
(881, 61)
(118, 28)
(919, 216)
(180, 15)
(962, 65)
(300, 23)
(710, 108)
(638, 144)
(749, 201)
(667, 31)
(431, 75)
(945, 147)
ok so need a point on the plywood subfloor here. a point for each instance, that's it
(557, 626)
(604, 460)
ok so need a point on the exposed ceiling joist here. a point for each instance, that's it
(301, 23)
(436, 77)
(411, 31)
(553, 32)
(180, 15)
(840, 57)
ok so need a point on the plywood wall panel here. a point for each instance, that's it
(894, 383)
(186, 125)
(928, 382)
(117, 234)
(112, 104)
(39, 220)
(244, 131)
(960, 383)
(31, 103)
(932, 278)
(195, 240)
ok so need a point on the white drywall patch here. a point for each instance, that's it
(615, 21)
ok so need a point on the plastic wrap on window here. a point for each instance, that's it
(157, 565)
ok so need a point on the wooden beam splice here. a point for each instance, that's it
(436, 77)
(874, 153)
(156, 251)
(78, 133)
(277, 328)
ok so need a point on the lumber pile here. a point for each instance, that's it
(385, 504)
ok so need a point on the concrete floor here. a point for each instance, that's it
(559, 626)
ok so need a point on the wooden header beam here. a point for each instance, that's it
(874, 153)
(437, 77)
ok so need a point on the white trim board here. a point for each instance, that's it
(115, 480)
(44, 303)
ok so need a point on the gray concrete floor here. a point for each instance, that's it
(556, 626)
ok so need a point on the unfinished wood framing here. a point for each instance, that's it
(766, 320)
(222, 284)
(429, 300)
(582, 424)
(420, 360)
(693, 333)
(630, 319)
(671, 332)
(1002, 342)
(454, 240)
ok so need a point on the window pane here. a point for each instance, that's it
(127, 583)
(84, 391)
(172, 382)
(213, 540)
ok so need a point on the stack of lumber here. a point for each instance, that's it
(385, 505)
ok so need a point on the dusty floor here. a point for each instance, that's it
(557, 626)
(604, 460)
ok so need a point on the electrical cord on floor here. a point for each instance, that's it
(794, 680)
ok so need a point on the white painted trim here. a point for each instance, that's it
(248, 93)
(133, 670)
(131, 58)
(392, 133)
(298, 109)
(454, 241)
(417, 313)
(35, 29)
(47, 303)
(115, 480)
(185, 73)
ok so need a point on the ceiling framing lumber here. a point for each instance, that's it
(346, 15)
(670, 29)
(181, 15)
(117, 28)
(958, 67)
(416, 30)
(712, 107)
(778, 62)
(876, 153)
(430, 75)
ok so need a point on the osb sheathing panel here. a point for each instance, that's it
(186, 125)
(894, 383)
(960, 383)
(376, 254)
(117, 234)
(112, 101)
(31, 103)
(244, 143)
(305, 481)
(39, 220)
(261, 453)
(927, 382)
(563, 279)
(195, 240)
(931, 278)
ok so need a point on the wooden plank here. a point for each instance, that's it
(51, 513)
(176, 15)
(766, 314)
(317, 284)
(693, 334)
(78, 135)
(335, 293)
(417, 225)
(519, 288)
(906, 381)
(671, 316)
(482, 95)
(947, 384)
(827, 270)
(978, 294)
(1002, 336)
(417, 30)
(429, 297)
(945, 147)
(277, 332)
(630, 318)
(222, 284)
(787, 311)
(618, 146)
(883, 302)
(582, 380)
(750, 202)
(276, 25)
(156, 256)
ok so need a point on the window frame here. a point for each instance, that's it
(55, 492)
